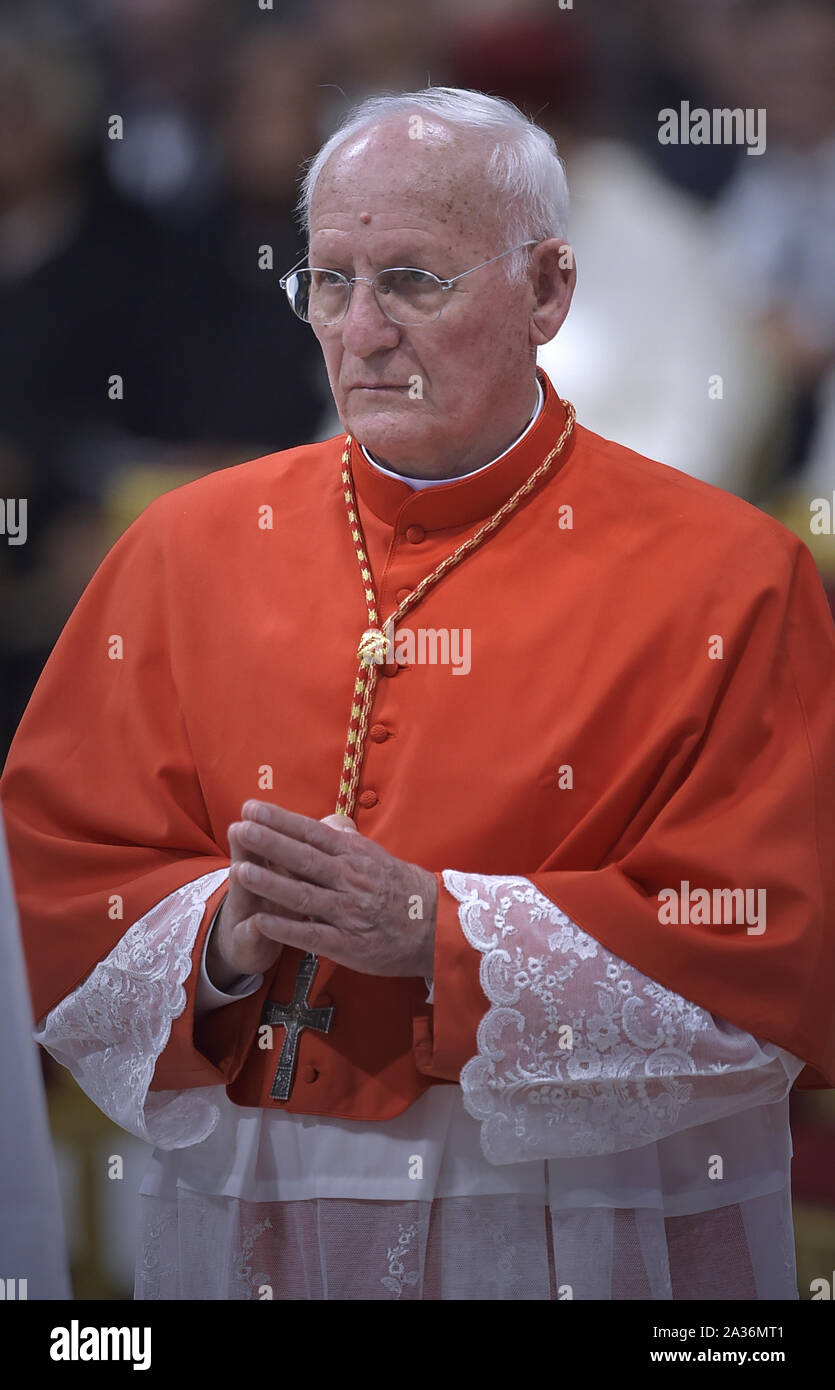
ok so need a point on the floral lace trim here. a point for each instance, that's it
(579, 1052)
(397, 1255)
(112, 1029)
(250, 1283)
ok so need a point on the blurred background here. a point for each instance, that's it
(150, 152)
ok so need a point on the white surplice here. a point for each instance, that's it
(645, 1155)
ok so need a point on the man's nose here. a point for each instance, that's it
(365, 328)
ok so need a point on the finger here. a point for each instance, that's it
(295, 827)
(275, 851)
(254, 952)
(291, 894)
(239, 850)
(318, 937)
(340, 822)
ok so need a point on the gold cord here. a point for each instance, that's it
(374, 643)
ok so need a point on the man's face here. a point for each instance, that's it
(385, 199)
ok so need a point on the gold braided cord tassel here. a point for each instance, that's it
(373, 646)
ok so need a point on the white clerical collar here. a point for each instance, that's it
(419, 483)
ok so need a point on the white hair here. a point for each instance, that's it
(522, 166)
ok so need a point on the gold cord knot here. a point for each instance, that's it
(373, 647)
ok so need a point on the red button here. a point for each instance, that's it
(392, 669)
(415, 534)
(403, 594)
(309, 1074)
(368, 799)
(378, 732)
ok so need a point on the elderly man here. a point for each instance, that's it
(424, 986)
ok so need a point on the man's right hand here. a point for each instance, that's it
(236, 946)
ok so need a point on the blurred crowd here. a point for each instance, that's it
(150, 153)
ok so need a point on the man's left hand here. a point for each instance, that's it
(368, 910)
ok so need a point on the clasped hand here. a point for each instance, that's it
(320, 886)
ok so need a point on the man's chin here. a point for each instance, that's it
(390, 432)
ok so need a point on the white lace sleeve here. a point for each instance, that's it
(579, 1053)
(111, 1030)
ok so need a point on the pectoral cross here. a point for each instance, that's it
(295, 1016)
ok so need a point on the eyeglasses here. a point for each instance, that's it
(406, 295)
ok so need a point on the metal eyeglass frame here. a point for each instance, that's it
(445, 285)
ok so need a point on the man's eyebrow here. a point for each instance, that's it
(424, 261)
(336, 266)
(335, 258)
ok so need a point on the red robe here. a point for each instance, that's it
(603, 743)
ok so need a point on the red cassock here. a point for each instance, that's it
(649, 702)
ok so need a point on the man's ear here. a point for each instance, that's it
(553, 274)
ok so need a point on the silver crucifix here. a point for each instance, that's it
(295, 1016)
